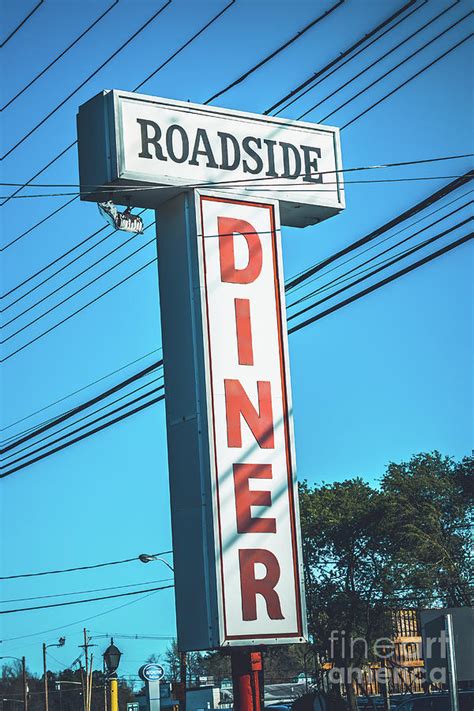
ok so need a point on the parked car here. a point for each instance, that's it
(437, 702)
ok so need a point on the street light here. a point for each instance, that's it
(111, 661)
(60, 643)
(148, 558)
(23, 674)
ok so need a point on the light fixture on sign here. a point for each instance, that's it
(121, 220)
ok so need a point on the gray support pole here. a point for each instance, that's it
(451, 654)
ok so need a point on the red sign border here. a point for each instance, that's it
(290, 466)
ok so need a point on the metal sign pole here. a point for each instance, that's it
(451, 654)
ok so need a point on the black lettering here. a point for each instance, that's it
(271, 157)
(252, 154)
(202, 138)
(150, 140)
(184, 143)
(225, 138)
(287, 148)
(311, 165)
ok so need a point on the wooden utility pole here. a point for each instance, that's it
(25, 684)
(45, 679)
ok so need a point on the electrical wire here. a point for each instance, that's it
(291, 330)
(59, 56)
(94, 412)
(382, 241)
(82, 308)
(84, 387)
(85, 592)
(78, 291)
(85, 81)
(23, 22)
(376, 256)
(77, 622)
(100, 428)
(395, 67)
(337, 61)
(379, 284)
(64, 266)
(387, 54)
(65, 150)
(277, 51)
(407, 81)
(418, 207)
(88, 424)
(80, 567)
(89, 403)
(246, 184)
(394, 260)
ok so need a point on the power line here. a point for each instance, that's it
(295, 328)
(89, 403)
(337, 61)
(84, 387)
(277, 51)
(96, 71)
(59, 56)
(394, 68)
(81, 567)
(418, 207)
(38, 224)
(88, 424)
(266, 184)
(100, 428)
(372, 273)
(407, 81)
(78, 291)
(80, 602)
(381, 283)
(82, 308)
(85, 592)
(91, 414)
(382, 241)
(53, 160)
(385, 55)
(77, 622)
(13, 32)
(376, 256)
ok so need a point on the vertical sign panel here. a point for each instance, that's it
(249, 421)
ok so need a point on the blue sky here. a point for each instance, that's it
(377, 381)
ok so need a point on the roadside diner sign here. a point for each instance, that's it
(221, 181)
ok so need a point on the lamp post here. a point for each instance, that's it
(23, 675)
(148, 558)
(111, 660)
(60, 643)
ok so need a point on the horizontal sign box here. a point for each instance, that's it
(143, 150)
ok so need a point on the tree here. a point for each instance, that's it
(430, 500)
(368, 550)
(348, 572)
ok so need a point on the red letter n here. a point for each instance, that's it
(251, 586)
(237, 403)
(227, 227)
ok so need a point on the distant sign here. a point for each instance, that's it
(151, 672)
(129, 141)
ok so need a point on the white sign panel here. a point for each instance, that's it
(250, 422)
(138, 140)
(237, 553)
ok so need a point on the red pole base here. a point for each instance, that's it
(245, 679)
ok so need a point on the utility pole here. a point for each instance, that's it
(25, 685)
(183, 668)
(45, 679)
